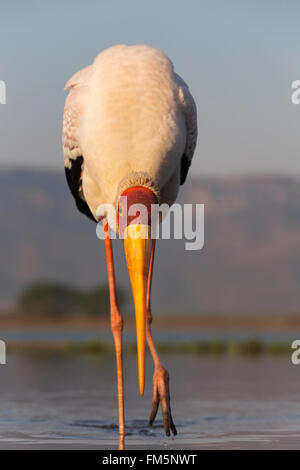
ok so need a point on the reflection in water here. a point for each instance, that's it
(70, 401)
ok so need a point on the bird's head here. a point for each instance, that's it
(134, 214)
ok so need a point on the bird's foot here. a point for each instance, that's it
(161, 394)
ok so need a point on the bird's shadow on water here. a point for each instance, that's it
(134, 427)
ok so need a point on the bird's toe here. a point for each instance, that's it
(161, 394)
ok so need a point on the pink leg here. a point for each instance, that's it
(161, 391)
(116, 321)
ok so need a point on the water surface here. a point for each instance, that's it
(57, 401)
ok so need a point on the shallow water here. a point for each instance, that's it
(66, 402)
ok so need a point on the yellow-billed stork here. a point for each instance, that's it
(130, 129)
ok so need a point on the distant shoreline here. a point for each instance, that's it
(249, 347)
(219, 322)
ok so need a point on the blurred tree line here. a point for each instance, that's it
(51, 298)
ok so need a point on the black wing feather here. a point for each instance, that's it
(184, 169)
(73, 176)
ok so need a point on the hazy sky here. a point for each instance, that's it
(238, 57)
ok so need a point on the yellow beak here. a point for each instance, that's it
(137, 246)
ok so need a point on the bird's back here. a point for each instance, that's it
(129, 119)
(132, 116)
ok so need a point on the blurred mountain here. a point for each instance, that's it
(250, 262)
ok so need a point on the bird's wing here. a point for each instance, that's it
(189, 112)
(73, 158)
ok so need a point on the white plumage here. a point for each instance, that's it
(130, 129)
(133, 121)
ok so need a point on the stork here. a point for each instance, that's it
(130, 130)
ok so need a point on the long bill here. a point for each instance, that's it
(137, 246)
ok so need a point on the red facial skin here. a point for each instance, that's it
(135, 195)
